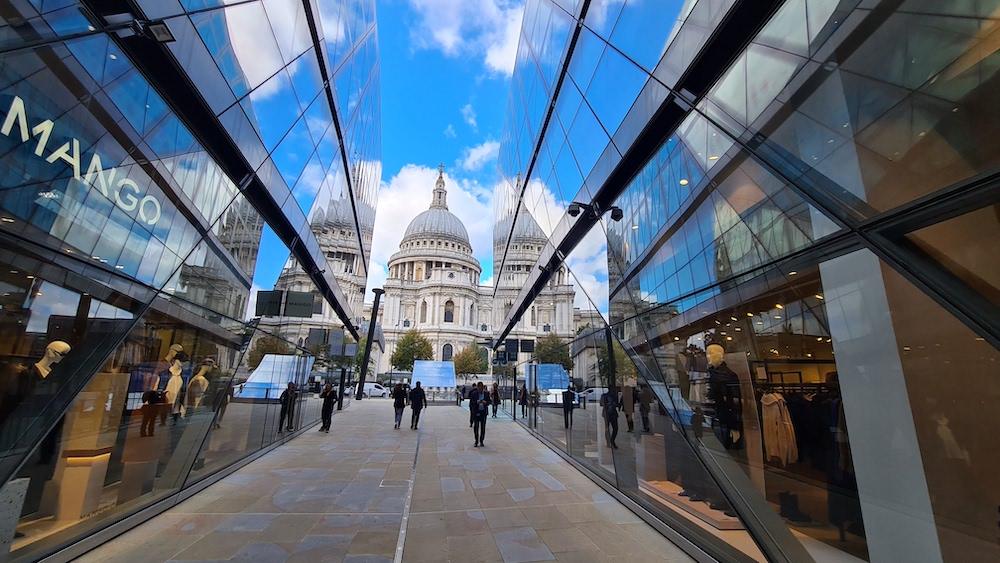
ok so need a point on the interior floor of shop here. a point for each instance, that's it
(369, 492)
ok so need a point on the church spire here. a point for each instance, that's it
(440, 200)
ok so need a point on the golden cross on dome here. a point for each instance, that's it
(441, 168)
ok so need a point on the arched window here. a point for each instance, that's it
(446, 353)
(423, 312)
(449, 311)
(472, 314)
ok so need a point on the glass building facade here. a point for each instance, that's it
(786, 232)
(149, 150)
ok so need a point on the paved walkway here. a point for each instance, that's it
(342, 496)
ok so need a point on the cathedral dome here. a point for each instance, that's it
(438, 222)
(525, 229)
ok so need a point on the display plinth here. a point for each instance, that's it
(11, 501)
(81, 486)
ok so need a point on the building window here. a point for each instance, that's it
(446, 353)
(546, 328)
(483, 328)
(423, 312)
(406, 323)
(449, 311)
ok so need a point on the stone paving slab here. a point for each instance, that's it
(341, 497)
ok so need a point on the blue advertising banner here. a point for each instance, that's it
(552, 376)
(434, 374)
(271, 377)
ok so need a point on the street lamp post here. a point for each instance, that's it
(368, 345)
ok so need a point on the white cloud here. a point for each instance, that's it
(449, 132)
(408, 194)
(484, 28)
(474, 158)
(469, 115)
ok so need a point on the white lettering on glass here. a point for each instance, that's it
(125, 193)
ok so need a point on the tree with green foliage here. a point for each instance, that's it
(624, 368)
(266, 345)
(550, 349)
(411, 347)
(469, 361)
(359, 358)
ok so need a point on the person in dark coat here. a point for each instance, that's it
(418, 400)
(524, 400)
(609, 408)
(569, 403)
(329, 396)
(399, 402)
(152, 401)
(495, 398)
(288, 397)
(479, 404)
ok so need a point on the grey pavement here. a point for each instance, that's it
(342, 496)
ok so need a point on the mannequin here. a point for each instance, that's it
(24, 379)
(54, 353)
(175, 385)
(199, 384)
(724, 392)
(163, 376)
(31, 390)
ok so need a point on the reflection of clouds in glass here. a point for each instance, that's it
(50, 300)
(487, 28)
(597, 14)
(254, 44)
(589, 260)
(332, 21)
(588, 264)
(101, 310)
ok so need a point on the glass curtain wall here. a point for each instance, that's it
(129, 247)
(798, 281)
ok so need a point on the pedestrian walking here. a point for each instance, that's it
(329, 396)
(479, 403)
(645, 403)
(287, 399)
(418, 400)
(629, 397)
(609, 410)
(399, 402)
(524, 400)
(569, 403)
(495, 398)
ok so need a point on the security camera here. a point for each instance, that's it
(574, 209)
(617, 213)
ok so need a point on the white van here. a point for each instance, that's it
(374, 390)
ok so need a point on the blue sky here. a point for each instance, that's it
(445, 75)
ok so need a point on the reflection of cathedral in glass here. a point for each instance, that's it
(433, 285)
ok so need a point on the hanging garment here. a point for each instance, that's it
(779, 433)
